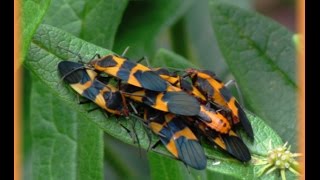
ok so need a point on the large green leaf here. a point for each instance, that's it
(26, 91)
(123, 160)
(65, 144)
(26, 118)
(165, 58)
(26, 131)
(227, 168)
(32, 13)
(245, 4)
(43, 57)
(204, 47)
(95, 21)
(43, 60)
(261, 56)
(142, 22)
(193, 38)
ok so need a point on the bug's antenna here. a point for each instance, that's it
(125, 51)
(76, 54)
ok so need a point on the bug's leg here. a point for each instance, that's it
(144, 58)
(232, 82)
(133, 108)
(83, 101)
(94, 57)
(125, 51)
(133, 136)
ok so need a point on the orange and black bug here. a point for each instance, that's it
(216, 92)
(133, 73)
(214, 120)
(85, 82)
(229, 142)
(176, 137)
(176, 102)
(179, 82)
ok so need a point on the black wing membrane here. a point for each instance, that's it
(236, 147)
(72, 72)
(151, 81)
(205, 87)
(225, 93)
(182, 103)
(125, 70)
(230, 143)
(192, 153)
(244, 121)
(189, 149)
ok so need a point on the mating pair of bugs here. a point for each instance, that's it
(177, 108)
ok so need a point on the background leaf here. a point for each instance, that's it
(95, 21)
(166, 58)
(261, 56)
(204, 49)
(143, 21)
(62, 140)
(32, 14)
(193, 38)
(26, 131)
(123, 160)
(245, 4)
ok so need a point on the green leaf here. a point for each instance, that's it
(193, 37)
(65, 144)
(32, 14)
(143, 21)
(26, 130)
(123, 160)
(164, 168)
(245, 4)
(26, 91)
(261, 56)
(204, 47)
(95, 21)
(166, 58)
(43, 60)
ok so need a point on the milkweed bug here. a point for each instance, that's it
(216, 92)
(179, 82)
(133, 73)
(176, 102)
(84, 81)
(214, 120)
(176, 137)
(215, 125)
